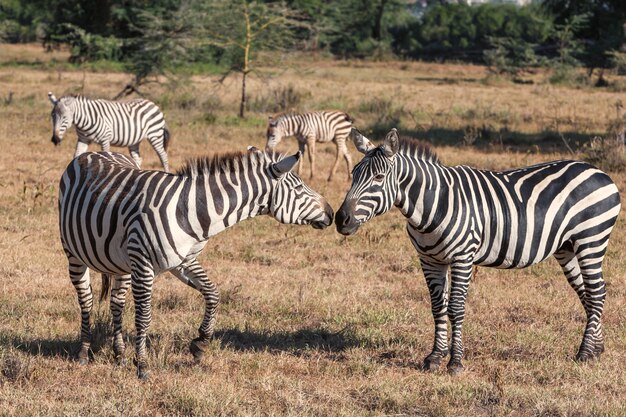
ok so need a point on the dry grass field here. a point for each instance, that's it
(310, 322)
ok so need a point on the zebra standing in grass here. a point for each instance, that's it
(133, 224)
(460, 216)
(109, 123)
(308, 128)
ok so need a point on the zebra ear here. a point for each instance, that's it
(273, 122)
(362, 143)
(253, 149)
(52, 98)
(390, 147)
(286, 164)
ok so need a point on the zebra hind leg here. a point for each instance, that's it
(595, 293)
(134, 153)
(158, 145)
(593, 341)
(193, 275)
(142, 280)
(79, 274)
(121, 284)
(437, 280)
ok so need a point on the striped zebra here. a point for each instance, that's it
(308, 128)
(111, 123)
(461, 216)
(133, 224)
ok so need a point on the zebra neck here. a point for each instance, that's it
(216, 202)
(291, 125)
(82, 110)
(425, 188)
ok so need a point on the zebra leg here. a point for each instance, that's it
(79, 274)
(337, 159)
(157, 144)
(595, 293)
(193, 274)
(134, 153)
(311, 151)
(141, 280)
(81, 148)
(461, 274)
(437, 280)
(121, 284)
(301, 146)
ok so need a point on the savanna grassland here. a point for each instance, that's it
(310, 322)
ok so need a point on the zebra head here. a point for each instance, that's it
(62, 117)
(292, 201)
(374, 183)
(274, 132)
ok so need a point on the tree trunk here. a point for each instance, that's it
(242, 105)
(378, 21)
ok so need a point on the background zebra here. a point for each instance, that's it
(460, 216)
(133, 224)
(105, 122)
(308, 128)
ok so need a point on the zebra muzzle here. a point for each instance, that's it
(345, 221)
(56, 140)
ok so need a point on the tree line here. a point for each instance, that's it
(152, 37)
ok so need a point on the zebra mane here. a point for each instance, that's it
(417, 149)
(221, 163)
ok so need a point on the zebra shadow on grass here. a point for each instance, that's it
(64, 347)
(299, 342)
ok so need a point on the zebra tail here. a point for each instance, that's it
(106, 286)
(349, 118)
(166, 137)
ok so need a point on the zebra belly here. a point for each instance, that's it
(100, 254)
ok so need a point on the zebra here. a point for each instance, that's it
(460, 216)
(132, 224)
(111, 123)
(308, 128)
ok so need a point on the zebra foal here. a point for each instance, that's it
(461, 216)
(309, 128)
(111, 123)
(133, 224)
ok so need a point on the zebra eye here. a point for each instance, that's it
(299, 187)
(379, 177)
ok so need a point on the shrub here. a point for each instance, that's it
(279, 99)
(608, 154)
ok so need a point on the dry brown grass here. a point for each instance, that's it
(311, 323)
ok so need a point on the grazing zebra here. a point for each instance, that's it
(133, 224)
(111, 123)
(308, 128)
(461, 216)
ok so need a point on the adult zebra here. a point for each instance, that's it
(111, 123)
(460, 216)
(308, 128)
(133, 224)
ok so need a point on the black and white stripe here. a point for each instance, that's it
(461, 216)
(133, 224)
(111, 123)
(308, 128)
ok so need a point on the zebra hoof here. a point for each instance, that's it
(431, 363)
(598, 349)
(121, 361)
(83, 361)
(585, 357)
(455, 368)
(197, 348)
(143, 374)
(83, 356)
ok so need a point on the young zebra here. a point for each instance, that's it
(111, 123)
(460, 216)
(308, 128)
(134, 224)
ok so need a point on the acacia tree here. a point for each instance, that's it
(242, 28)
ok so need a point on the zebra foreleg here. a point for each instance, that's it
(141, 281)
(193, 275)
(121, 284)
(437, 280)
(81, 148)
(79, 274)
(461, 275)
(301, 148)
(310, 144)
(134, 153)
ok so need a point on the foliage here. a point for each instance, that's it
(510, 56)
(463, 31)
